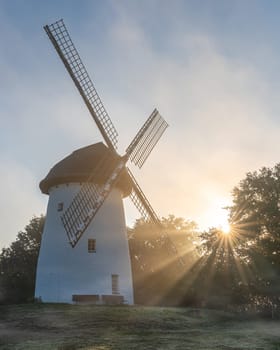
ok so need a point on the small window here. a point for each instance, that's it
(91, 245)
(115, 284)
(60, 206)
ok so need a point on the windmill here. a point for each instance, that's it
(85, 202)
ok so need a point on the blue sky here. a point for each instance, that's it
(210, 67)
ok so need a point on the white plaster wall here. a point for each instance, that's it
(63, 271)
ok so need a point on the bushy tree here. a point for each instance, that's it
(245, 265)
(160, 258)
(255, 218)
(18, 264)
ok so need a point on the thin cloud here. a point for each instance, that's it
(222, 105)
(219, 113)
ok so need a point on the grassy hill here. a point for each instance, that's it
(68, 327)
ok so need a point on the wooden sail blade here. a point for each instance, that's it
(66, 50)
(140, 201)
(88, 201)
(146, 139)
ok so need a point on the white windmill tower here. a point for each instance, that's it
(85, 203)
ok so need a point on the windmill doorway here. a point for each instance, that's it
(115, 284)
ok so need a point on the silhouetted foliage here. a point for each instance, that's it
(161, 258)
(18, 264)
(255, 219)
(218, 281)
(243, 268)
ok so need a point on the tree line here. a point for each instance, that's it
(180, 265)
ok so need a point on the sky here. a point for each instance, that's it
(210, 67)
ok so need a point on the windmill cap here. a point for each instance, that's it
(83, 164)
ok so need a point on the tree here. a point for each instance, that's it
(161, 258)
(18, 264)
(255, 219)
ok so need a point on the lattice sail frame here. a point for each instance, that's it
(86, 204)
(65, 48)
(141, 202)
(89, 199)
(148, 214)
(146, 139)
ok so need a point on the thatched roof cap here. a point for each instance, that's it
(85, 163)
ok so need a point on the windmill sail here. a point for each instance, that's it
(66, 50)
(87, 202)
(148, 214)
(90, 198)
(146, 139)
(141, 202)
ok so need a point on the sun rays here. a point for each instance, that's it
(221, 258)
(211, 258)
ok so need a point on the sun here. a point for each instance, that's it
(223, 224)
(225, 228)
(217, 216)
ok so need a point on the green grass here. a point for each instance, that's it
(68, 327)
